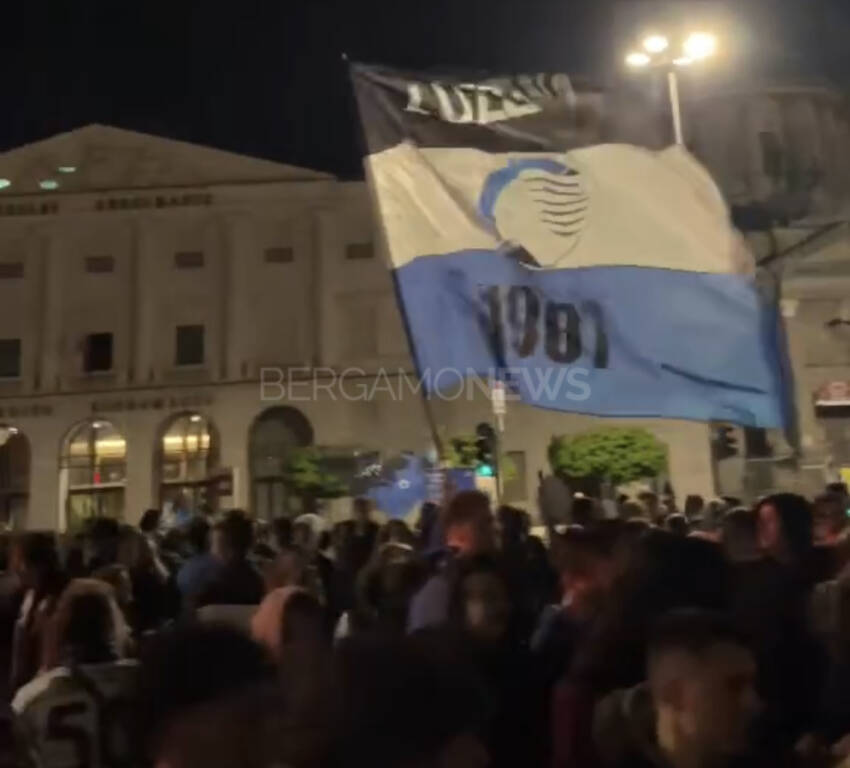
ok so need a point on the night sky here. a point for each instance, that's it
(267, 78)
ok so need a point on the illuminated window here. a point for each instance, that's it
(274, 435)
(93, 473)
(187, 455)
(14, 477)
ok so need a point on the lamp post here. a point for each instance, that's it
(656, 53)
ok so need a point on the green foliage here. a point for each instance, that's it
(461, 451)
(305, 476)
(618, 455)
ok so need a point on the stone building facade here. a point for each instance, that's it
(154, 297)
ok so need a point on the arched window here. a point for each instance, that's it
(93, 473)
(14, 477)
(187, 454)
(276, 432)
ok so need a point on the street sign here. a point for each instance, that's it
(497, 397)
(833, 393)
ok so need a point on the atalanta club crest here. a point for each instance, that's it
(539, 207)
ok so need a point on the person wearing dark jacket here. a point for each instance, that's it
(771, 603)
(662, 572)
(469, 531)
(695, 709)
(237, 581)
(483, 626)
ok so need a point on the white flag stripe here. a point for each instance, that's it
(630, 207)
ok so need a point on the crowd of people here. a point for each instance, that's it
(634, 634)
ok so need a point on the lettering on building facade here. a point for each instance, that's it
(29, 209)
(152, 403)
(25, 410)
(153, 201)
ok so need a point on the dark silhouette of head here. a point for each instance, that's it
(282, 531)
(234, 537)
(198, 534)
(468, 523)
(87, 627)
(404, 702)
(694, 505)
(482, 604)
(830, 517)
(191, 666)
(677, 524)
(150, 521)
(740, 534)
(103, 535)
(38, 561)
(702, 678)
(512, 526)
(584, 510)
(785, 527)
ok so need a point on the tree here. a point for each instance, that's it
(461, 451)
(614, 455)
(306, 478)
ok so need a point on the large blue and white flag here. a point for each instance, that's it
(603, 279)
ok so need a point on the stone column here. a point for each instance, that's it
(52, 340)
(239, 253)
(326, 252)
(221, 369)
(144, 325)
(140, 433)
(45, 438)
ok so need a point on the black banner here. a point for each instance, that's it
(512, 113)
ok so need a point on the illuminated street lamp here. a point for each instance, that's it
(700, 46)
(656, 44)
(657, 53)
(638, 59)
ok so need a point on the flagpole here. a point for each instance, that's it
(675, 106)
(427, 408)
(499, 405)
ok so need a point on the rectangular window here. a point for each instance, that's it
(190, 345)
(359, 251)
(97, 353)
(11, 270)
(279, 255)
(513, 476)
(189, 259)
(100, 264)
(772, 160)
(10, 358)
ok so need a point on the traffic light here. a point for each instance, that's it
(485, 450)
(725, 442)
